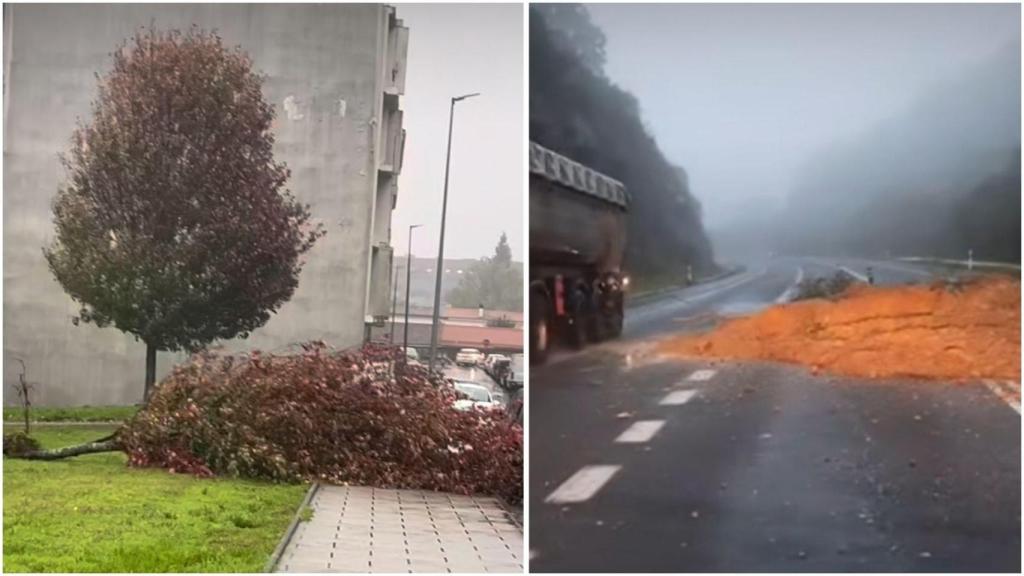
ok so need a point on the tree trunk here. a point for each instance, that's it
(69, 451)
(150, 371)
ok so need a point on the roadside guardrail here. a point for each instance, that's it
(963, 263)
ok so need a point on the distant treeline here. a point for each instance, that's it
(577, 111)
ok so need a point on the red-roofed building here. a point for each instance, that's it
(453, 336)
(474, 314)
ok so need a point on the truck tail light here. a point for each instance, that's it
(559, 296)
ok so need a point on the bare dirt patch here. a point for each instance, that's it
(938, 331)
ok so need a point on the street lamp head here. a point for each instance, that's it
(464, 96)
(411, 226)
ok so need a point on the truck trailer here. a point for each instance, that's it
(577, 241)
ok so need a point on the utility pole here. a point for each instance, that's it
(408, 277)
(440, 247)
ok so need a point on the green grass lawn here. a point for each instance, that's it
(73, 414)
(94, 514)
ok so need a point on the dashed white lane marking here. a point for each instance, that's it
(701, 375)
(583, 484)
(791, 290)
(677, 398)
(1005, 391)
(640, 432)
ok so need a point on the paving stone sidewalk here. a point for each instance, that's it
(371, 530)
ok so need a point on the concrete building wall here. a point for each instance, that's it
(331, 79)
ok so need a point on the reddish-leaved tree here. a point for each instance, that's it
(175, 225)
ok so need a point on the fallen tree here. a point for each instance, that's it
(357, 417)
(35, 453)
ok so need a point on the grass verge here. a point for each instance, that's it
(94, 514)
(14, 415)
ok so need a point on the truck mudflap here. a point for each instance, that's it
(540, 334)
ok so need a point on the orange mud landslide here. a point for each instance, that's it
(943, 332)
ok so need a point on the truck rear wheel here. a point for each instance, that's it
(540, 333)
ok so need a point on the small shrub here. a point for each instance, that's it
(19, 443)
(827, 287)
(360, 418)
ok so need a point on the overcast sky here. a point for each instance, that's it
(456, 49)
(742, 95)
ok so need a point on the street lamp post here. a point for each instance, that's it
(440, 247)
(408, 277)
(394, 303)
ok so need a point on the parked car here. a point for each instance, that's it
(491, 358)
(469, 357)
(492, 363)
(412, 356)
(499, 370)
(476, 396)
(515, 377)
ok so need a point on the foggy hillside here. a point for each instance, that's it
(577, 111)
(939, 178)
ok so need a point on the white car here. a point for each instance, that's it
(469, 357)
(516, 375)
(476, 396)
(491, 359)
(412, 356)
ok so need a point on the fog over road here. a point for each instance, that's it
(643, 464)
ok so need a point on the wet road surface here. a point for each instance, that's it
(641, 464)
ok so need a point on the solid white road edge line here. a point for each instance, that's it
(582, 485)
(853, 273)
(742, 279)
(788, 293)
(678, 397)
(641, 431)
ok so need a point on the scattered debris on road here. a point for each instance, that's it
(919, 331)
(824, 287)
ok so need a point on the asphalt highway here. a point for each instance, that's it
(639, 464)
